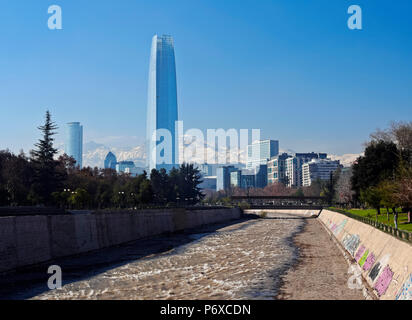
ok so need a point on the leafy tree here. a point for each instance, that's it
(79, 199)
(386, 190)
(16, 176)
(174, 176)
(67, 163)
(160, 185)
(403, 191)
(315, 189)
(343, 188)
(61, 199)
(104, 194)
(328, 188)
(4, 196)
(378, 163)
(276, 189)
(399, 133)
(372, 197)
(299, 193)
(145, 195)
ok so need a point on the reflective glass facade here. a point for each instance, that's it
(74, 142)
(162, 109)
(110, 161)
(260, 152)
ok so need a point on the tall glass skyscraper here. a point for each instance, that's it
(162, 105)
(74, 142)
(260, 152)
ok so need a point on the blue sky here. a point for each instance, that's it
(290, 68)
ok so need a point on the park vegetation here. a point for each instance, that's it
(43, 179)
(382, 177)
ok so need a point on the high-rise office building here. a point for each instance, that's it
(235, 178)
(223, 177)
(292, 172)
(248, 179)
(74, 142)
(260, 152)
(110, 161)
(294, 167)
(318, 169)
(261, 176)
(277, 168)
(162, 111)
(301, 159)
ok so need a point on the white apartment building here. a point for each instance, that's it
(318, 169)
(294, 177)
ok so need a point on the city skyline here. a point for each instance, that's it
(101, 79)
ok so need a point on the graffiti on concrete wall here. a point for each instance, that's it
(340, 227)
(375, 271)
(384, 280)
(351, 243)
(370, 260)
(405, 292)
(379, 272)
(360, 253)
(377, 268)
(363, 258)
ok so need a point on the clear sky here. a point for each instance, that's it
(291, 68)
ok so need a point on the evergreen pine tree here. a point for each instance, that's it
(47, 177)
(190, 178)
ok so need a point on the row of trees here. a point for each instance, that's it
(104, 188)
(382, 177)
(41, 179)
(318, 188)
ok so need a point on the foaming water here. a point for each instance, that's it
(241, 261)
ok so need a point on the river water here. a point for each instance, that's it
(242, 260)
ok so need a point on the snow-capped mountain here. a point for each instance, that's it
(95, 153)
(346, 159)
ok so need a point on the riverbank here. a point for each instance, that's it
(321, 272)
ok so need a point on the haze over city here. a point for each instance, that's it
(292, 69)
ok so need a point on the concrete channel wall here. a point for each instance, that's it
(27, 240)
(385, 261)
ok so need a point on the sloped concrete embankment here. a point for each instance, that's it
(385, 261)
(28, 240)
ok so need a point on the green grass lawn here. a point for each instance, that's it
(382, 218)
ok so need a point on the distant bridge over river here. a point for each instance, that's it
(281, 202)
